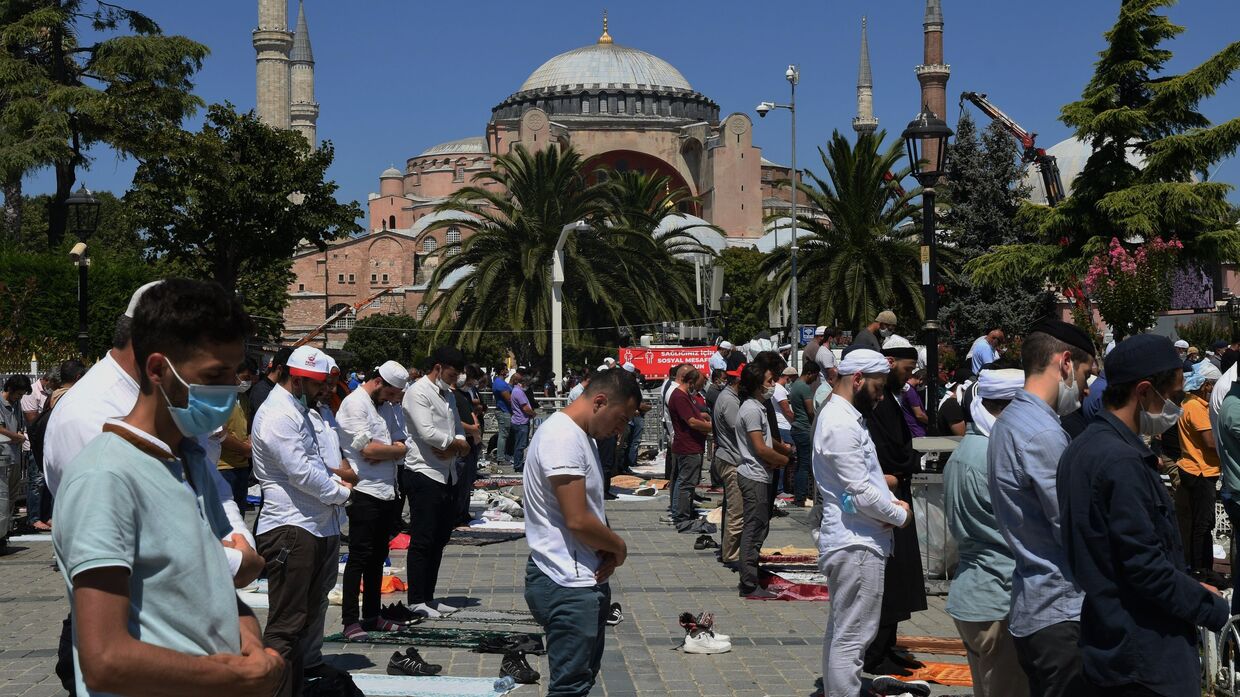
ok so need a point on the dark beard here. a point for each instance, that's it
(862, 400)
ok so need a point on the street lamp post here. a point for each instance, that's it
(793, 76)
(927, 135)
(84, 220)
(557, 296)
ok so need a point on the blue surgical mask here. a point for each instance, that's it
(207, 407)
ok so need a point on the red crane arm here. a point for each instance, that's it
(1025, 137)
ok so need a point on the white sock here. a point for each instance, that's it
(425, 610)
(443, 608)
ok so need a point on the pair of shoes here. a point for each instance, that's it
(610, 496)
(886, 685)
(354, 632)
(705, 622)
(516, 667)
(886, 666)
(400, 613)
(759, 593)
(379, 624)
(904, 659)
(411, 663)
(778, 512)
(705, 542)
(616, 616)
(700, 635)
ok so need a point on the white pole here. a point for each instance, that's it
(557, 298)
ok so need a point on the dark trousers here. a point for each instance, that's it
(432, 515)
(607, 459)
(756, 500)
(298, 564)
(1194, 506)
(467, 474)
(370, 527)
(884, 642)
(239, 482)
(575, 622)
(634, 441)
(520, 440)
(64, 657)
(1052, 661)
(34, 491)
(687, 473)
(1231, 504)
(804, 441)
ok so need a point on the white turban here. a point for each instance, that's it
(993, 384)
(866, 361)
(726, 345)
(1207, 370)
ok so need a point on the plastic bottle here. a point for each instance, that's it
(847, 503)
(504, 684)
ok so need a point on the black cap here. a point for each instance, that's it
(898, 352)
(736, 361)
(1070, 334)
(1139, 357)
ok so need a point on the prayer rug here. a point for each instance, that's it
(952, 674)
(425, 686)
(481, 538)
(944, 646)
(449, 637)
(807, 559)
(485, 616)
(496, 482)
(787, 590)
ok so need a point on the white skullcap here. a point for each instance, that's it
(137, 296)
(394, 374)
(1207, 371)
(726, 345)
(1181, 344)
(896, 341)
(1000, 384)
(866, 361)
(603, 367)
(609, 360)
(628, 365)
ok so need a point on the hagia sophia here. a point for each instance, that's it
(623, 108)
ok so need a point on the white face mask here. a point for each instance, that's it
(1157, 424)
(770, 392)
(1069, 399)
(244, 385)
(443, 385)
(884, 332)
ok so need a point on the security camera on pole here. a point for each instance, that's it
(793, 76)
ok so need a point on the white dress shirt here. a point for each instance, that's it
(430, 416)
(361, 425)
(297, 487)
(394, 416)
(845, 462)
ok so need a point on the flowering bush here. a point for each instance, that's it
(1131, 287)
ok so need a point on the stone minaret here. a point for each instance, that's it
(933, 72)
(272, 42)
(303, 111)
(865, 121)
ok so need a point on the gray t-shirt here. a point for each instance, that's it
(752, 417)
(723, 418)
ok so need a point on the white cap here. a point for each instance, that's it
(820, 331)
(137, 296)
(1181, 344)
(309, 362)
(726, 345)
(609, 361)
(628, 365)
(394, 374)
(603, 367)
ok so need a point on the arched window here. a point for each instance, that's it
(344, 322)
(429, 244)
(458, 175)
(421, 312)
(454, 234)
(391, 222)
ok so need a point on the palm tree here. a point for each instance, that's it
(614, 276)
(864, 256)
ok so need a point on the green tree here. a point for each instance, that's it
(1131, 107)
(232, 202)
(984, 193)
(117, 233)
(863, 258)
(59, 97)
(386, 336)
(747, 285)
(613, 274)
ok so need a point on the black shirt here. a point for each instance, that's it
(950, 414)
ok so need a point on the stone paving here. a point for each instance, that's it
(776, 645)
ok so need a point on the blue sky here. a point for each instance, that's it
(394, 77)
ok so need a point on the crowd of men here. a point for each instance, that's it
(1081, 496)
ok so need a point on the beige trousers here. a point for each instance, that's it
(992, 659)
(733, 513)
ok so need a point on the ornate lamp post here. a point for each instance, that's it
(83, 220)
(926, 141)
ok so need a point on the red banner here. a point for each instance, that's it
(655, 362)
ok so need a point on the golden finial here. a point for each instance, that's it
(605, 38)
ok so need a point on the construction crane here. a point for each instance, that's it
(1047, 166)
(335, 316)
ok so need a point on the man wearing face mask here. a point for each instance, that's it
(872, 336)
(1141, 611)
(299, 525)
(1022, 458)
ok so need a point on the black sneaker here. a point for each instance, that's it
(778, 512)
(705, 542)
(610, 496)
(615, 617)
(887, 685)
(411, 663)
(516, 667)
(400, 613)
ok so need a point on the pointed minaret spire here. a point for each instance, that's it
(303, 110)
(865, 121)
(605, 38)
(301, 38)
(934, 71)
(934, 14)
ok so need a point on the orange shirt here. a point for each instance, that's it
(1196, 456)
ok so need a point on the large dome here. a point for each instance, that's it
(606, 65)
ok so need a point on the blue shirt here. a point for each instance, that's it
(982, 588)
(982, 354)
(1023, 458)
(499, 385)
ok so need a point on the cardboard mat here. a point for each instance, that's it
(943, 646)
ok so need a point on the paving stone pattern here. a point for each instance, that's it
(777, 646)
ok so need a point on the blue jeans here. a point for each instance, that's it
(779, 477)
(804, 441)
(239, 481)
(636, 426)
(503, 421)
(520, 439)
(34, 491)
(575, 622)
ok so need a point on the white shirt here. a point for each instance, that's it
(845, 462)
(781, 395)
(666, 391)
(430, 414)
(560, 447)
(717, 362)
(361, 425)
(394, 417)
(297, 488)
(32, 402)
(825, 358)
(1221, 388)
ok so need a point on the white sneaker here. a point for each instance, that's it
(705, 642)
(720, 637)
(425, 611)
(442, 607)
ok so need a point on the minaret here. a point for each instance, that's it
(272, 42)
(303, 111)
(865, 121)
(933, 72)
